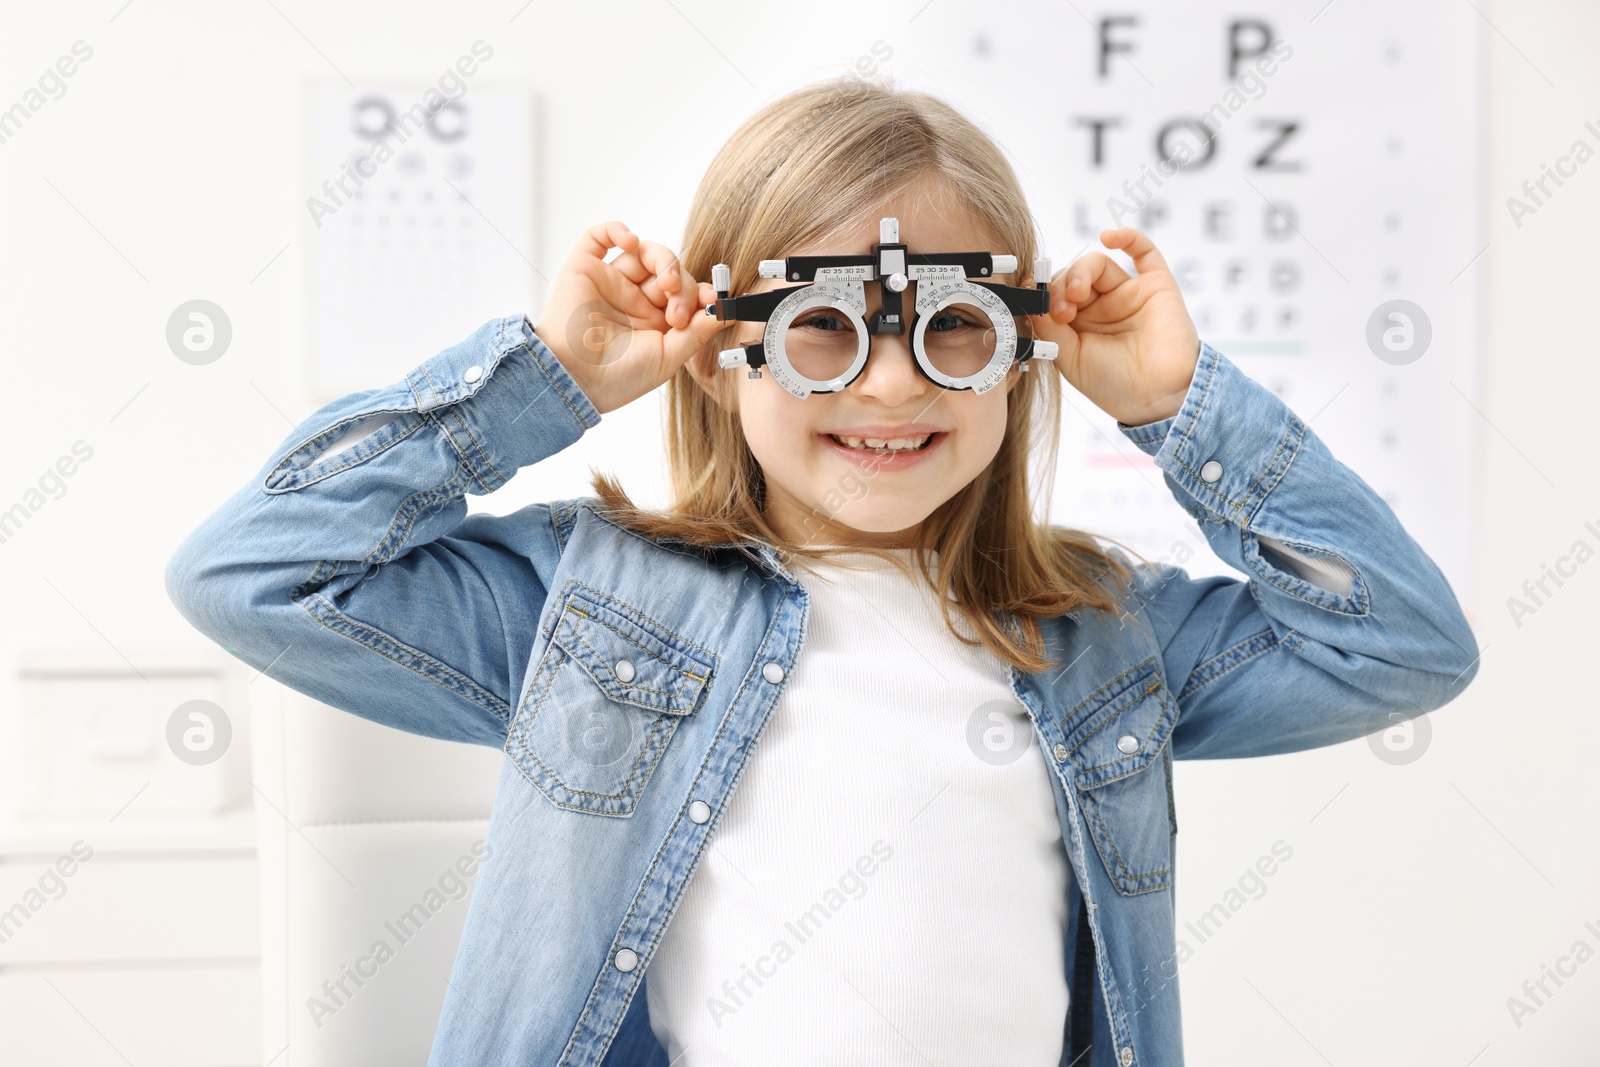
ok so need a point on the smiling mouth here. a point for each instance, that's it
(874, 446)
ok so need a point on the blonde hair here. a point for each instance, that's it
(798, 171)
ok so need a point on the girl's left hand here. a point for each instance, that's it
(1131, 347)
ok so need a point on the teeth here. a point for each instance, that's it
(882, 445)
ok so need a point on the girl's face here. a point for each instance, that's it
(820, 491)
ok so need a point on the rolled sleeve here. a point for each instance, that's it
(1230, 442)
(489, 425)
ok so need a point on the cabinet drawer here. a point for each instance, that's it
(175, 1017)
(128, 906)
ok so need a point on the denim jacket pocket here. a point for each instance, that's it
(603, 702)
(1116, 742)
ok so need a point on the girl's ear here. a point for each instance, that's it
(712, 379)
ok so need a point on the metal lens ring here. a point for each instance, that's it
(807, 348)
(976, 356)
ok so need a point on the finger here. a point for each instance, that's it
(701, 324)
(675, 282)
(1109, 311)
(648, 260)
(1137, 246)
(691, 300)
(683, 342)
(1076, 287)
(1094, 273)
(672, 287)
(600, 239)
(627, 298)
(655, 268)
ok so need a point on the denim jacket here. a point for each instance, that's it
(351, 549)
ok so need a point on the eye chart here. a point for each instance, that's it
(422, 209)
(1323, 166)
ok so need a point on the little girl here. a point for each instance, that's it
(845, 756)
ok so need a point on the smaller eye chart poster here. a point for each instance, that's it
(1310, 173)
(422, 208)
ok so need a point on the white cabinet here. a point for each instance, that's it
(167, 727)
(130, 942)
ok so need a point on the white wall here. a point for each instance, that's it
(1417, 901)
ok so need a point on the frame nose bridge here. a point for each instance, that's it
(874, 292)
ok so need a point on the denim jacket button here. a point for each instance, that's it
(1211, 470)
(472, 374)
(624, 670)
(1126, 1057)
(699, 811)
(626, 959)
(1060, 753)
(1128, 744)
(773, 672)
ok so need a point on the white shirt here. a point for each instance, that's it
(887, 883)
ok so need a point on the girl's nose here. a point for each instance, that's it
(891, 376)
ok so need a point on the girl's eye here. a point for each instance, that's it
(946, 321)
(824, 322)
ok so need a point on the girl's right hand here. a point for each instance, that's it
(624, 327)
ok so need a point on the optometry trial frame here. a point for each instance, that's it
(818, 335)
